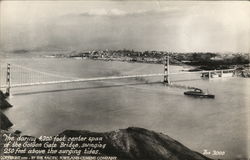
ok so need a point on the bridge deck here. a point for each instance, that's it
(108, 78)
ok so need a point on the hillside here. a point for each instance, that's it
(141, 144)
(125, 144)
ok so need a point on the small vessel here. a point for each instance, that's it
(196, 92)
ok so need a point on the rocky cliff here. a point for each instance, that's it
(5, 123)
(3, 103)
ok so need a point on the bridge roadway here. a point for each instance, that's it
(108, 78)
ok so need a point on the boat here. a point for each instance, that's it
(196, 92)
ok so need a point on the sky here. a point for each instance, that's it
(175, 26)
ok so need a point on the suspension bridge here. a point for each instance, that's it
(13, 76)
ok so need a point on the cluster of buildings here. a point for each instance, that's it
(123, 55)
(193, 58)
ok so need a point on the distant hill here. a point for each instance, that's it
(21, 51)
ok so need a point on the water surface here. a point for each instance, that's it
(212, 124)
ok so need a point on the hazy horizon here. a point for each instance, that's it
(181, 26)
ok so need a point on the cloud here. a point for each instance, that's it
(103, 12)
(118, 12)
(99, 12)
(185, 26)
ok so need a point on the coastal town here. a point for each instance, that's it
(193, 58)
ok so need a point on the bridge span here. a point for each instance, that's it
(35, 78)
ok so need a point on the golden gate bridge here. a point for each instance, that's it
(14, 75)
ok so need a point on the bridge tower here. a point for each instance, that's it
(166, 71)
(8, 81)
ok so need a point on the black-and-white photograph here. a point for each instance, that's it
(124, 80)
